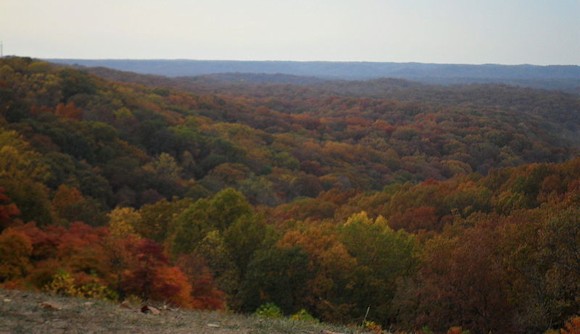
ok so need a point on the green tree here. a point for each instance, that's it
(222, 265)
(203, 216)
(32, 200)
(158, 219)
(191, 226)
(383, 257)
(278, 276)
(226, 207)
(165, 165)
(76, 82)
(243, 238)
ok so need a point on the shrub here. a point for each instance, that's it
(372, 327)
(63, 283)
(303, 315)
(269, 310)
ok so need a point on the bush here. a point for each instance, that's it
(63, 283)
(269, 310)
(303, 315)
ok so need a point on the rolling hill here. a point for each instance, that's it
(404, 204)
(559, 77)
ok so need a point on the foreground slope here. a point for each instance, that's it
(29, 312)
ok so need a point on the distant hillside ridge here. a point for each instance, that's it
(557, 77)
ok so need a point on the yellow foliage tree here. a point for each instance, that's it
(15, 251)
(122, 222)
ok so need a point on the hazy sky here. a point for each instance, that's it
(440, 31)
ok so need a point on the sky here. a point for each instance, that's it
(540, 32)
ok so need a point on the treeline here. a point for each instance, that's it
(336, 205)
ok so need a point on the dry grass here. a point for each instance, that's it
(29, 312)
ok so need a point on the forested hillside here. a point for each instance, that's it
(426, 206)
(556, 77)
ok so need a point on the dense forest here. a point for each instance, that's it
(408, 205)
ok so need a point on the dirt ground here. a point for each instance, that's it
(30, 312)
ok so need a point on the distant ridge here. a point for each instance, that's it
(561, 77)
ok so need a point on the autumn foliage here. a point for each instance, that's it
(434, 209)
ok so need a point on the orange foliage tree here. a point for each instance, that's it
(8, 210)
(332, 267)
(150, 276)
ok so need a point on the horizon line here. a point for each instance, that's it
(298, 61)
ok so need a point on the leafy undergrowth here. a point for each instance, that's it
(30, 312)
